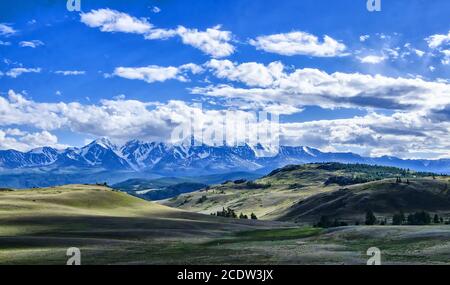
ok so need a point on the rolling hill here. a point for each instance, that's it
(384, 197)
(38, 225)
(302, 193)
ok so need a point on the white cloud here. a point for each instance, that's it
(154, 73)
(299, 43)
(438, 40)
(419, 53)
(372, 59)
(6, 30)
(160, 34)
(303, 87)
(70, 72)
(113, 21)
(214, 41)
(31, 44)
(156, 10)
(408, 134)
(412, 133)
(364, 38)
(15, 72)
(446, 59)
(251, 73)
(440, 43)
(2, 43)
(24, 141)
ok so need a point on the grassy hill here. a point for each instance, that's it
(40, 224)
(384, 197)
(274, 196)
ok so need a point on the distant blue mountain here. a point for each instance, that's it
(102, 159)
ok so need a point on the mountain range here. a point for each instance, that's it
(136, 159)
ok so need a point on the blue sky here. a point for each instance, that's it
(340, 77)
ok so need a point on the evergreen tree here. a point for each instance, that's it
(436, 219)
(370, 218)
(253, 216)
(398, 219)
(242, 216)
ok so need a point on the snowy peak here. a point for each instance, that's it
(103, 143)
(189, 158)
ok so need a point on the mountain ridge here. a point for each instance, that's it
(184, 159)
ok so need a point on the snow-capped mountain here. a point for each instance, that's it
(186, 159)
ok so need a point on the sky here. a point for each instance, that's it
(340, 78)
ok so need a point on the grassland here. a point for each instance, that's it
(38, 225)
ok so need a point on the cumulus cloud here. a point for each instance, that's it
(6, 30)
(143, 120)
(299, 43)
(2, 43)
(70, 72)
(303, 87)
(24, 141)
(16, 72)
(213, 41)
(154, 73)
(31, 44)
(440, 44)
(438, 40)
(113, 21)
(251, 73)
(408, 135)
(411, 133)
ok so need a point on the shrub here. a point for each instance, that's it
(202, 199)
